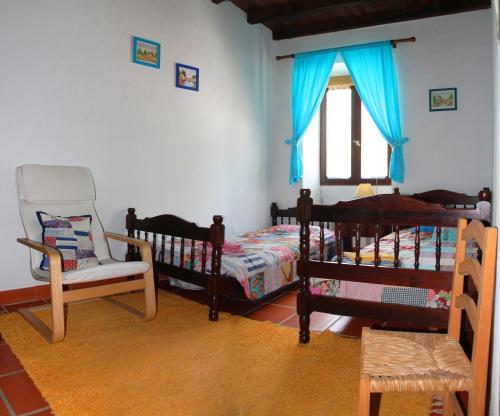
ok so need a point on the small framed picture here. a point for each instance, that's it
(187, 77)
(443, 99)
(146, 52)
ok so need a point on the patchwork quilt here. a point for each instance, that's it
(261, 261)
(398, 294)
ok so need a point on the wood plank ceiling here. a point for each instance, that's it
(293, 18)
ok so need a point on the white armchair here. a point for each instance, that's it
(69, 191)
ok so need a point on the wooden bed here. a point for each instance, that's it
(383, 214)
(164, 231)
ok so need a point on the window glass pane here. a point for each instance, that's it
(373, 148)
(338, 134)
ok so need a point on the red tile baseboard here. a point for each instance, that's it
(25, 294)
(40, 292)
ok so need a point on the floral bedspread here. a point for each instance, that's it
(261, 261)
(398, 294)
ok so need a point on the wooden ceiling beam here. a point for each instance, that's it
(299, 9)
(447, 7)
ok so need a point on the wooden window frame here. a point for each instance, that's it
(355, 178)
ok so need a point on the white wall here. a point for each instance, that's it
(495, 371)
(70, 95)
(450, 51)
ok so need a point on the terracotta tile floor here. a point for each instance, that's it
(20, 397)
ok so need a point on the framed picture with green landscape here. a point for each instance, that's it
(146, 52)
(443, 99)
(187, 77)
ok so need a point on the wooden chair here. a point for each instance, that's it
(419, 362)
(69, 191)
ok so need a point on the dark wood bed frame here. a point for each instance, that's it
(165, 230)
(390, 212)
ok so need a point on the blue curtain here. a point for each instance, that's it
(311, 72)
(372, 70)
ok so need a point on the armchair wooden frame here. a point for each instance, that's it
(61, 297)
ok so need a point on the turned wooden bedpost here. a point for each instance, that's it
(484, 194)
(304, 204)
(274, 213)
(217, 241)
(130, 225)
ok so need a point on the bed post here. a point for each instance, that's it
(217, 241)
(274, 213)
(130, 225)
(304, 204)
(484, 194)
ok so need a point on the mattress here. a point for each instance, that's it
(398, 294)
(262, 261)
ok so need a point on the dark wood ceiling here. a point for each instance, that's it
(294, 18)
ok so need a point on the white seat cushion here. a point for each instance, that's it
(110, 269)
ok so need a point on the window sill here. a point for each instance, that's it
(354, 182)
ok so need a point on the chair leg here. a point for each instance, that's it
(477, 404)
(447, 404)
(58, 324)
(149, 295)
(364, 396)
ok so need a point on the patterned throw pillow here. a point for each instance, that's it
(72, 237)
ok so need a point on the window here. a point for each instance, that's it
(352, 149)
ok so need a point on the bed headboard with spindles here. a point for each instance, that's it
(447, 198)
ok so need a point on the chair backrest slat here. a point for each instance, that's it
(475, 231)
(472, 268)
(464, 301)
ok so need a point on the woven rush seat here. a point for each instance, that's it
(412, 361)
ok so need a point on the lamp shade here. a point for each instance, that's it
(363, 190)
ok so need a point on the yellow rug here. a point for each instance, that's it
(111, 363)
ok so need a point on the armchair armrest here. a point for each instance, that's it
(144, 246)
(52, 253)
(39, 247)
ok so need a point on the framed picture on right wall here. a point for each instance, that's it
(443, 99)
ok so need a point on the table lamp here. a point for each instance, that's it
(364, 190)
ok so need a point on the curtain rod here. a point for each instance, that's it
(394, 43)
